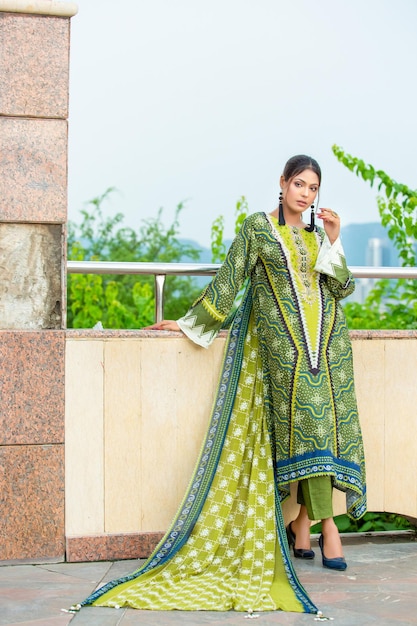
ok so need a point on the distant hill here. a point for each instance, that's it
(356, 240)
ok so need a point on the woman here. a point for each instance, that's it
(285, 412)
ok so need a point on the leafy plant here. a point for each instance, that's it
(397, 207)
(124, 301)
(391, 304)
(218, 245)
(370, 522)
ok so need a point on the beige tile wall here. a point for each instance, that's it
(84, 437)
(401, 427)
(137, 409)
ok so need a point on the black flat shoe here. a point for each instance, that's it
(299, 553)
(337, 562)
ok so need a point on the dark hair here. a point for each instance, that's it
(298, 164)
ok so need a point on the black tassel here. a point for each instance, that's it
(310, 228)
(281, 219)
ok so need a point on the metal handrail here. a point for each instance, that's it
(161, 270)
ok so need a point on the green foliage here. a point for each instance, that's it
(124, 301)
(241, 213)
(397, 207)
(218, 246)
(370, 522)
(391, 304)
(387, 306)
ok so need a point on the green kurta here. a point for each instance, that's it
(296, 279)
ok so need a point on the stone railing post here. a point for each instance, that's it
(34, 70)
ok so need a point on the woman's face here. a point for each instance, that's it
(299, 192)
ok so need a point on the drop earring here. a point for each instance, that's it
(281, 219)
(310, 228)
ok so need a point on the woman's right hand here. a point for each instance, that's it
(164, 325)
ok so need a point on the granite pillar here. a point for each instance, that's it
(34, 73)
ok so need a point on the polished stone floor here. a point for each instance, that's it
(379, 587)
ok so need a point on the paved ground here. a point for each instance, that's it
(379, 587)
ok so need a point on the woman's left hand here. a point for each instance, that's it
(331, 223)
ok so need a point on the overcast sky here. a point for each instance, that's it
(203, 102)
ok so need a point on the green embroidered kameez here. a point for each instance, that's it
(296, 281)
(285, 410)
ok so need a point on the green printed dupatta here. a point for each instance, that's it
(226, 547)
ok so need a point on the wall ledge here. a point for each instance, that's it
(91, 333)
(383, 334)
(39, 7)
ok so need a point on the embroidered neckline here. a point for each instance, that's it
(304, 263)
(306, 297)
